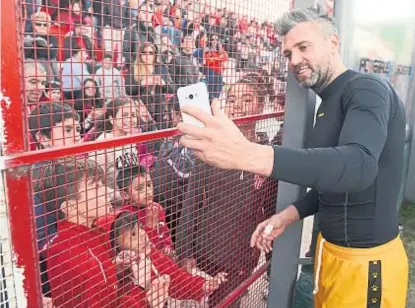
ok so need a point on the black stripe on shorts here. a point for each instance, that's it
(374, 288)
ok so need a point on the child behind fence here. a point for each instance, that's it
(139, 263)
(137, 184)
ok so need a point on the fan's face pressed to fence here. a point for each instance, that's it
(126, 119)
(135, 239)
(241, 101)
(141, 190)
(92, 199)
(309, 52)
(64, 133)
(35, 81)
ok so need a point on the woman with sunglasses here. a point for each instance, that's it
(149, 82)
(41, 45)
(140, 31)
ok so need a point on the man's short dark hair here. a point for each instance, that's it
(47, 115)
(126, 176)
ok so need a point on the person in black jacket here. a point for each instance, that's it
(149, 82)
(42, 46)
(116, 18)
(185, 70)
(41, 26)
(76, 39)
(139, 32)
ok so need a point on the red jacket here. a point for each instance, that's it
(183, 286)
(81, 272)
(161, 236)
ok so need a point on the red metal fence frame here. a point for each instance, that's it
(19, 201)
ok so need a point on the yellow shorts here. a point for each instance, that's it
(360, 277)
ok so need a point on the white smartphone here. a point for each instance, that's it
(195, 95)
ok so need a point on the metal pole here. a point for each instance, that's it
(410, 180)
(17, 181)
(299, 112)
(345, 20)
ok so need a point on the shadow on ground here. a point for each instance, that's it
(407, 219)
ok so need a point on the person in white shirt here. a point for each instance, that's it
(74, 72)
(109, 79)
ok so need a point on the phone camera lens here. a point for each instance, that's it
(191, 96)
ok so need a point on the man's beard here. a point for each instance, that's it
(318, 80)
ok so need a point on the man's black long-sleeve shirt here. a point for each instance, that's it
(353, 161)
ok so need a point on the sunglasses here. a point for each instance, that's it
(42, 24)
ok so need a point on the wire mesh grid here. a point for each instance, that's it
(125, 216)
(8, 295)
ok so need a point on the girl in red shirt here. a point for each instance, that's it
(137, 184)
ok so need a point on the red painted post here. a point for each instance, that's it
(18, 192)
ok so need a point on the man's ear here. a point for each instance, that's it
(335, 42)
(43, 141)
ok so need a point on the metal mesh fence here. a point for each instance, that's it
(7, 294)
(125, 216)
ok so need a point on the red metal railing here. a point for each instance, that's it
(29, 158)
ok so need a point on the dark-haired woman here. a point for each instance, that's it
(149, 82)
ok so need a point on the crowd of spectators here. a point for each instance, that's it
(103, 69)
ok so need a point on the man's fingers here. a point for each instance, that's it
(194, 131)
(217, 109)
(259, 244)
(254, 238)
(191, 143)
(199, 114)
(259, 229)
(267, 244)
(199, 154)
